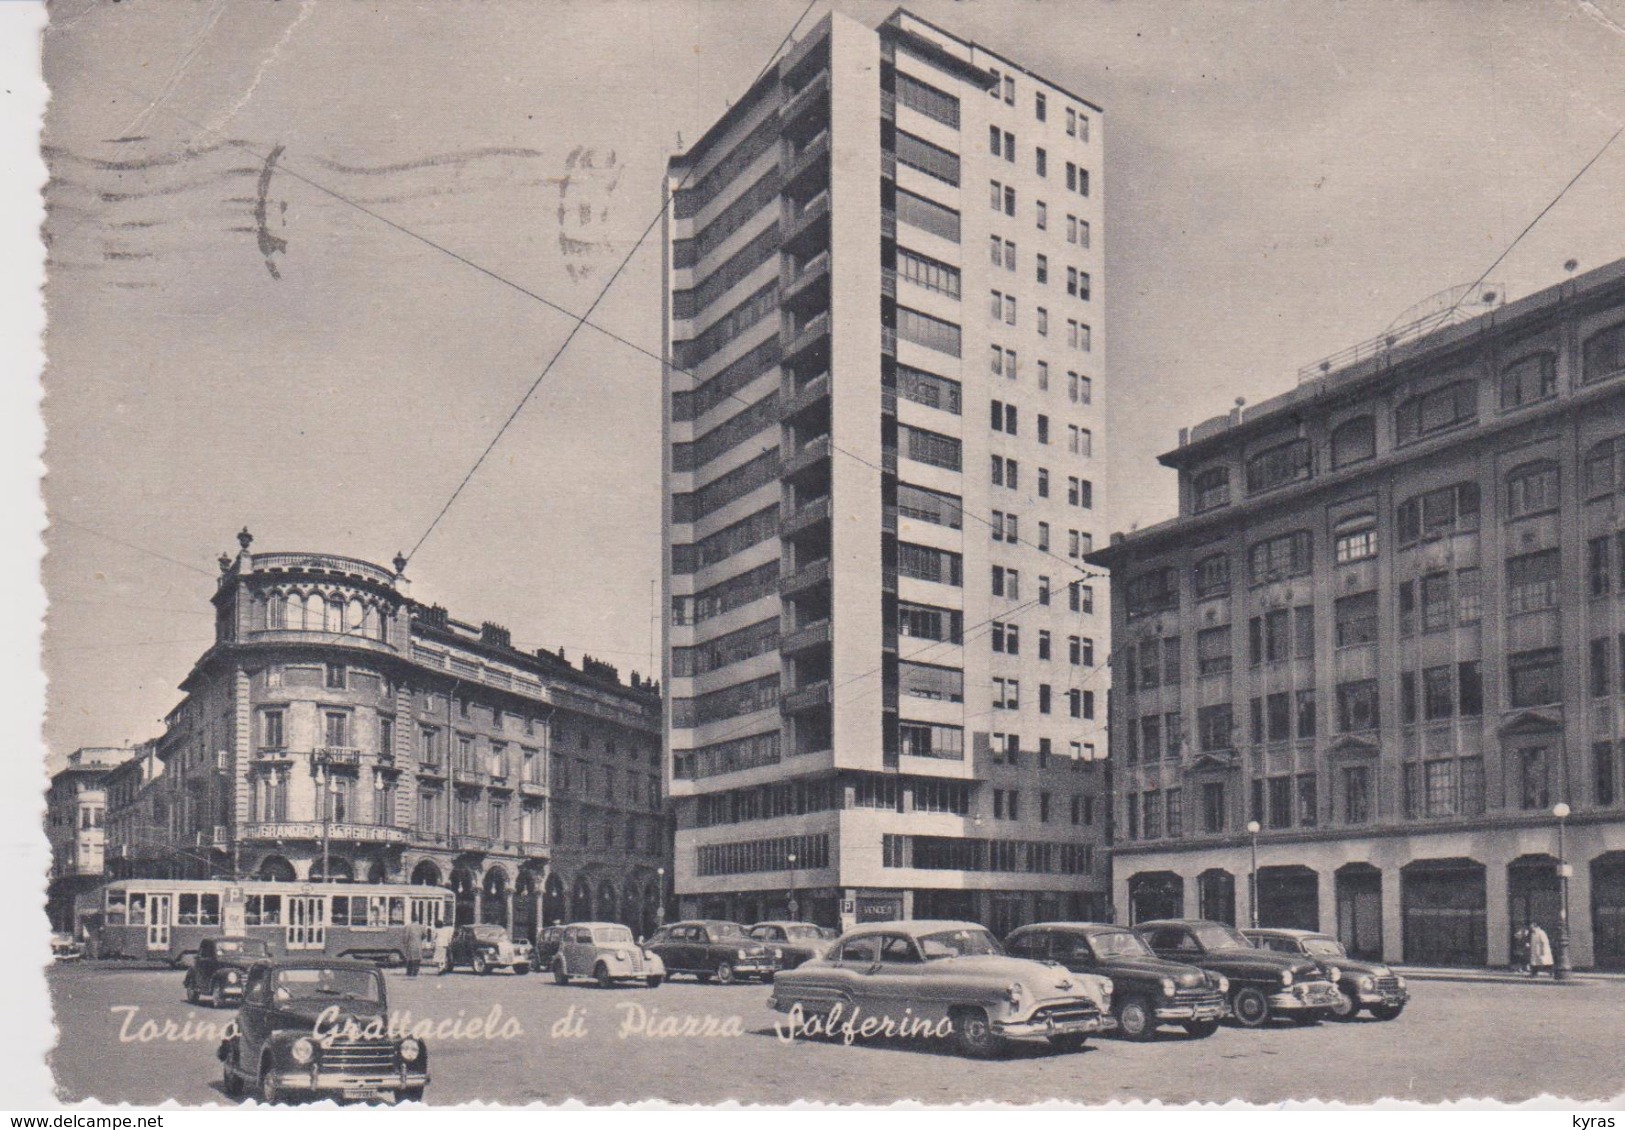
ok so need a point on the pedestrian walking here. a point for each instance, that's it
(1540, 952)
(414, 949)
(442, 948)
(1520, 949)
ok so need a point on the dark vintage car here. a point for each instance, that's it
(1263, 984)
(221, 968)
(485, 948)
(319, 1028)
(1147, 991)
(707, 948)
(793, 942)
(942, 979)
(1368, 985)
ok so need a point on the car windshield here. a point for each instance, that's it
(721, 930)
(325, 984)
(1215, 937)
(612, 934)
(803, 933)
(491, 933)
(241, 947)
(1119, 943)
(1324, 947)
(959, 943)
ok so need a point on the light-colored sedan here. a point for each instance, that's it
(608, 953)
(940, 979)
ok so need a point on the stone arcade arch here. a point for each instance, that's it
(276, 869)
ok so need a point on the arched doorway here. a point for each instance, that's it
(426, 874)
(607, 906)
(1359, 910)
(1155, 894)
(1608, 910)
(525, 891)
(465, 887)
(581, 900)
(377, 872)
(337, 870)
(494, 904)
(553, 901)
(1442, 905)
(1533, 895)
(275, 869)
(1216, 895)
(1289, 897)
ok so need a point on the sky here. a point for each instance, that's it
(232, 344)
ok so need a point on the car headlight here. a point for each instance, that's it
(411, 1049)
(1014, 992)
(1224, 983)
(778, 954)
(1286, 977)
(1168, 986)
(303, 1050)
(620, 955)
(1400, 982)
(231, 978)
(1334, 974)
(1367, 984)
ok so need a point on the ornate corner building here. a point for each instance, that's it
(1386, 630)
(339, 730)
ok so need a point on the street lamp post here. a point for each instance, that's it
(1252, 876)
(1561, 966)
(795, 908)
(324, 785)
(660, 906)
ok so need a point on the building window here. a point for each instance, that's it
(1307, 713)
(1213, 807)
(1532, 489)
(1534, 790)
(1289, 555)
(1604, 783)
(1212, 489)
(1528, 381)
(1280, 465)
(1603, 354)
(1357, 706)
(1452, 509)
(1436, 411)
(273, 729)
(1470, 685)
(1535, 678)
(336, 729)
(1532, 581)
(1438, 693)
(1469, 596)
(1214, 725)
(1354, 441)
(1153, 591)
(1211, 576)
(1213, 651)
(1356, 794)
(1356, 619)
(336, 680)
(1605, 467)
(1355, 539)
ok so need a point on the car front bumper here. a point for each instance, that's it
(1385, 1000)
(755, 968)
(1310, 998)
(1044, 1027)
(347, 1083)
(1216, 1009)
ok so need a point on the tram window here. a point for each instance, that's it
(199, 910)
(263, 910)
(397, 911)
(115, 908)
(138, 908)
(376, 911)
(340, 914)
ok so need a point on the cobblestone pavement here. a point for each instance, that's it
(1455, 1040)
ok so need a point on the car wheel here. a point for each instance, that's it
(653, 982)
(1071, 1042)
(480, 965)
(192, 996)
(522, 968)
(725, 973)
(974, 1035)
(230, 1081)
(217, 996)
(1201, 1029)
(600, 973)
(560, 977)
(1346, 1007)
(1386, 1011)
(1251, 1006)
(409, 1095)
(1136, 1020)
(269, 1092)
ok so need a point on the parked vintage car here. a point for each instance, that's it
(931, 977)
(1368, 985)
(1147, 991)
(1263, 984)
(793, 942)
(706, 948)
(484, 948)
(318, 1028)
(65, 948)
(221, 969)
(608, 953)
(547, 947)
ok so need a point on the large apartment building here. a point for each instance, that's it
(1386, 630)
(75, 824)
(883, 411)
(338, 730)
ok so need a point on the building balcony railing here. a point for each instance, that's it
(888, 340)
(888, 281)
(808, 334)
(532, 788)
(811, 453)
(809, 636)
(888, 223)
(795, 281)
(796, 220)
(814, 573)
(808, 96)
(805, 698)
(794, 521)
(322, 563)
(888, 165)
(432, 767)
(794, 400)
(888, 105)
(803, 158)
(342, 756)
(468, 776)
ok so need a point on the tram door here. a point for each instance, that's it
(307, 922)
(158, 916)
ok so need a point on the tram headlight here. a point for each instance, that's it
(303, 1050)
(411, 1049)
